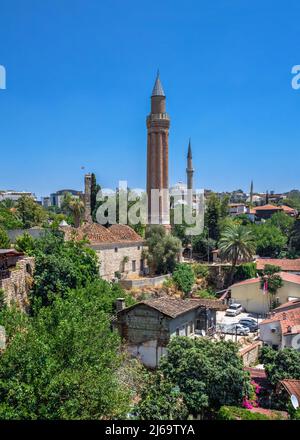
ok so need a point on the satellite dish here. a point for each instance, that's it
(294, 401)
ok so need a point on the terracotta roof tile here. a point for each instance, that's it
(289, 320)
(174, 307)
(292, 386)
(268, 208)
(98, 234)
(124, 232)
(289, 277)
(283, 263)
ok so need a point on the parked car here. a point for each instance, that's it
(238, 329)
(234, 309)
(249, 322)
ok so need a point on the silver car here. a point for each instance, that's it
(238, 329)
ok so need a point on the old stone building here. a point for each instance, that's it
(119, 248)
(146, 327)
(16, 277)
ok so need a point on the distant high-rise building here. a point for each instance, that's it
(158, 123)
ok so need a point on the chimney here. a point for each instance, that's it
(284, 316)
(120, 304)
(289, 329)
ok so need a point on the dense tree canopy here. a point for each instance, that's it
(59, 265)
(163, 249)
(29, 212)
(270, 241)
(62, 363)
(201, 374)
(282, 364)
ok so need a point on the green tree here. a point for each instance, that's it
(4, 239)
(160, 400)
(63, 364)
(74, 206)
(205, 375)
(283, 222)
(184, 277)
(25, 243)
(8, 217)
(212, 216)
(295, 237)
(95, 188)
(203, 246)
(30, 213)
(270, 241)
(163, 249)
(61, 265)
(236, 243)
(282, 364)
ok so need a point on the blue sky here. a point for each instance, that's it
(80, 75)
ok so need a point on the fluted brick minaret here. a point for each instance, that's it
(158, 123)
(189, 168)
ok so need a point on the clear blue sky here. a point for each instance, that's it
(80, 75)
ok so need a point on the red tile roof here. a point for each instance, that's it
(98, 234)
(292, 386)
(288, 209)
(174, 307)
(289, 277)
(268, 208)
(284, 263)
(289, 320)
(289, 305)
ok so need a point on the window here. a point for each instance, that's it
(138, 248)
(191, 327)
(116, 249)
(133, 265)
(177, 331)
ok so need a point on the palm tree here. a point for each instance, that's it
(77, 208)
(236, 243)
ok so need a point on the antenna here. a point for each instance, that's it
(294, 401)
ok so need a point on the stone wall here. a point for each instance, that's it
(143, 282)
(111, 259)
(19, 282)
(250, 354)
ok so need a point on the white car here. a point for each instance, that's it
(234, 310)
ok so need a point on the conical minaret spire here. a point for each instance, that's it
(189, 168)
(158, 88)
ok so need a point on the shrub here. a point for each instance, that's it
(206, 293)
(184, 277)
(245, 271)
(236, 413)
(200, 270)
(4, 239)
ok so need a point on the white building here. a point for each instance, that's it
(282, 328)
(15, 195)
